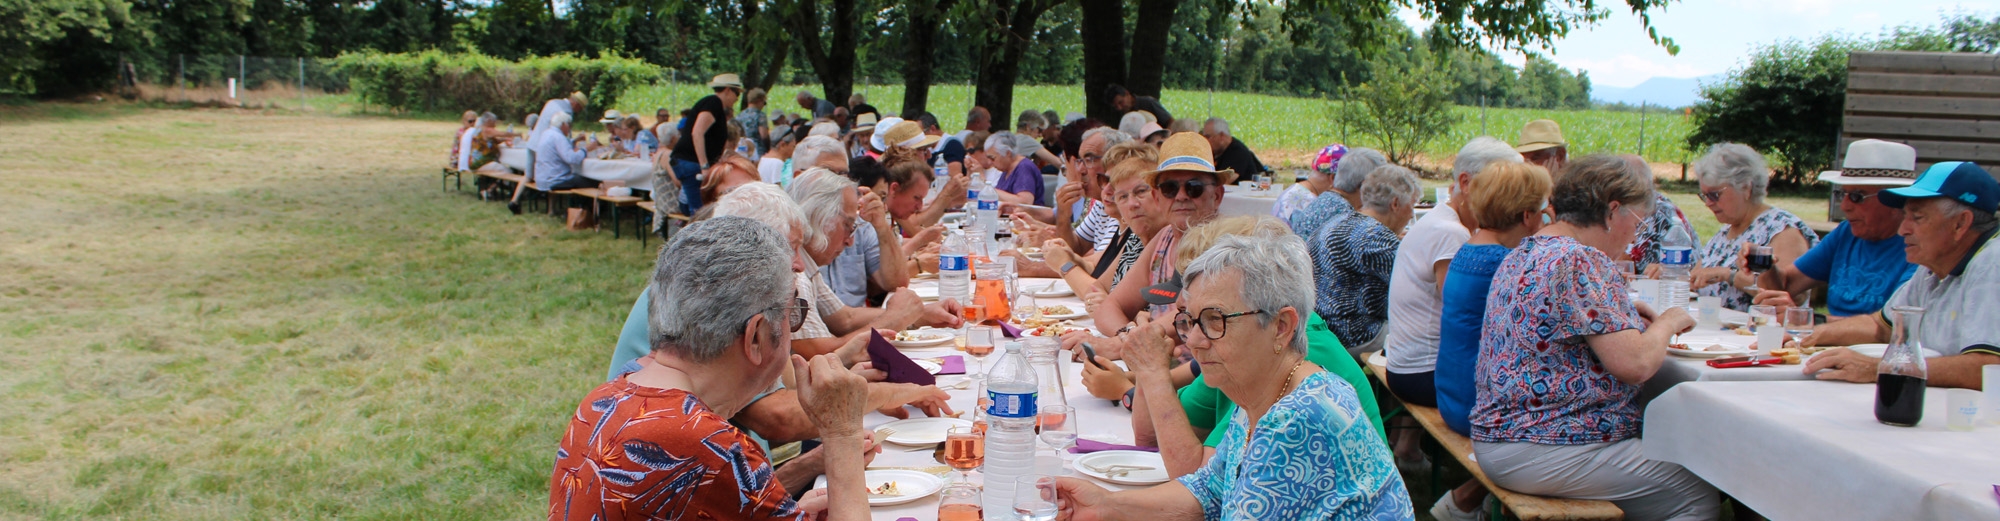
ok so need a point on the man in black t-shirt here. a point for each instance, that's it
(704, 137)
(1124, 101)
(1230, 152)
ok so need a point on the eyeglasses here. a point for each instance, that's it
(1138, 191)
(795, 313)
(1172, 189)
(1091, 159)
(1711, 195)
(1854, 196)
(1214, 323)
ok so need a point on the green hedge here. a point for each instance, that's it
(434, 81)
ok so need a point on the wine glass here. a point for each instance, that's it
(974, 311)
(1799, 321)
(1759, 261)
(1058, 427)
(960, 502)
(1025, 309)
(964, 450)
(1035, 498)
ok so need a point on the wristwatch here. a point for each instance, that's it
(1064, 270)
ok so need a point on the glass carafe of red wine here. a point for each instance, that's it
(1901, 376)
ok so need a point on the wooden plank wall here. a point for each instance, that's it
(1946, 105)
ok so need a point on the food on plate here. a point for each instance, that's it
(1743, 330)
(1791, 354)
(1053, 330)
(919, 335)
(887, 489)
(1056, 310)
(1711, 348)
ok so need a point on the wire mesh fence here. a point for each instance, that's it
(235, 81)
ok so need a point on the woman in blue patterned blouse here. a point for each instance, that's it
(1300, 445)
(1565, 350)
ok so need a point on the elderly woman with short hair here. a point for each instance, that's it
(1299, 445)
(657, 443)
(1342, 194)
(1732, 181)
(1354, 253)
(1564, 351)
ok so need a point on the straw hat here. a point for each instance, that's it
(1540, 134)
(1874, 162)
(864, 122)
(1189, 152)
(906, 134)
(611, 116)
(726, 80)
(875, 141)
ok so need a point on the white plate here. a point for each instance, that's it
(1076, 314)
(938, 337)
(921, 431)
(925, 292)
(1061, 290)
(913, 486)
(929, 367)
(1124, 457)
(1876, 350)
(1690, 353)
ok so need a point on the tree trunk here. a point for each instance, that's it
(768, 50)
(1002, 60)
(1103, 32)
(833, 64)
(918, 72)
(1149, 46)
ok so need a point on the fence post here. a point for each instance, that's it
(302, 84)
(180, 76)
(1642, 129)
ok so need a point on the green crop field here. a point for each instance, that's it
(1283, 128)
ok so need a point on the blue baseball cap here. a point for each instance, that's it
(1961, 181)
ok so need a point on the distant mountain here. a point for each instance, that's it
(1658, 92)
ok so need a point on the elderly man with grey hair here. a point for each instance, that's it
(1417, 284)
(1948, 226)
(721, 310)
(1243, 314)
(1355, 253)
(819, 152)
(556, 159)
(831, 204)
(1230, 152)
(1345, 194)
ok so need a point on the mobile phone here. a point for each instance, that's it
(1092, 355)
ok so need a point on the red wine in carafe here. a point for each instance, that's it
(1899, 400)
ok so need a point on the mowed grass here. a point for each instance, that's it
(236, 315)
(1284, 130)
(221, 314)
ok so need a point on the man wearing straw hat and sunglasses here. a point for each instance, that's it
(1861, 262)
(1187, 190)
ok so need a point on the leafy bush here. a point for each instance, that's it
(1785, 103)
(1402, 109)
(434, 81)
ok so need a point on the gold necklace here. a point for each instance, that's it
(1252, 432)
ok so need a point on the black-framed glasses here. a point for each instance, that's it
(1711, 195)
(1853, 196)
(796, 313)
(1213, 322)
(1172, 189)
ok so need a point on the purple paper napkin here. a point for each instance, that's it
(952, 365)
(1010, 330)
(899, 366)
(1084, 446)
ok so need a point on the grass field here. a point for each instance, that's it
(1281, 128)
(220, 314)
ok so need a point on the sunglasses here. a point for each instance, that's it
(795, 313)
(1212, 321)
(1172, 189)
(1853, 196)
(1711, 195)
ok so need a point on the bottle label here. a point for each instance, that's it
(1676, 256)
(953, 263)
(989, 205)
(1011, 405)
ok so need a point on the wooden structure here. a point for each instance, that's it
(1946, 105)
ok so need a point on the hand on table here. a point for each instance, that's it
(1079, 500)
(1674, 319)
(1844, 364)
(943, 313)
(1092, 298)
(834, 398)
(1108, 381)
(927, 398)
(902, 308)
(1705, 277)
(1152, 345)
(1111, 347)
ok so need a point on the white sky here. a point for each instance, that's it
(1715, 34)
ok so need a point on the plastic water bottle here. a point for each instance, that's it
(989, 216)
(974, 180)
(954, 270)
(1010, 432)
(1676, 262)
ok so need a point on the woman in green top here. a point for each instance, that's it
(1202, 408)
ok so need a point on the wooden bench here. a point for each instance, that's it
(671, 220)
(452, 174)
(599, 199)
(1523, 506)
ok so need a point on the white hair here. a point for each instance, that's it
(1270, 263)
(821, 194)
(1000, 143)
(765, 203)
(1354, 168)
(1481, 152)
(1112, 137)
(809, 149)
(1220, 125)
(715, 275)
(1389, 186)
(1734, 164)
(558, 119)
(1132, 123)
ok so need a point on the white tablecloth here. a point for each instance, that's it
(1813, 450)
(1237, 201)
(636, 173)
(1098, 419)
(1682, 369)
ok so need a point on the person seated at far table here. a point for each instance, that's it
(1159, 411)
(1299, 445)
(1354, 253)
(1732, 180)
(557, 160)
(1507, 202)
(1861, 262)
(1645, 249)
(480, 150)
(656, 444)
(1564, 351)
(1342, 196)
(1230, 152)
(860, 269)
(1542, 144)
(1020, 181)
(1948, 225)
(466, 122)
(625, 133)
(1318, 179)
